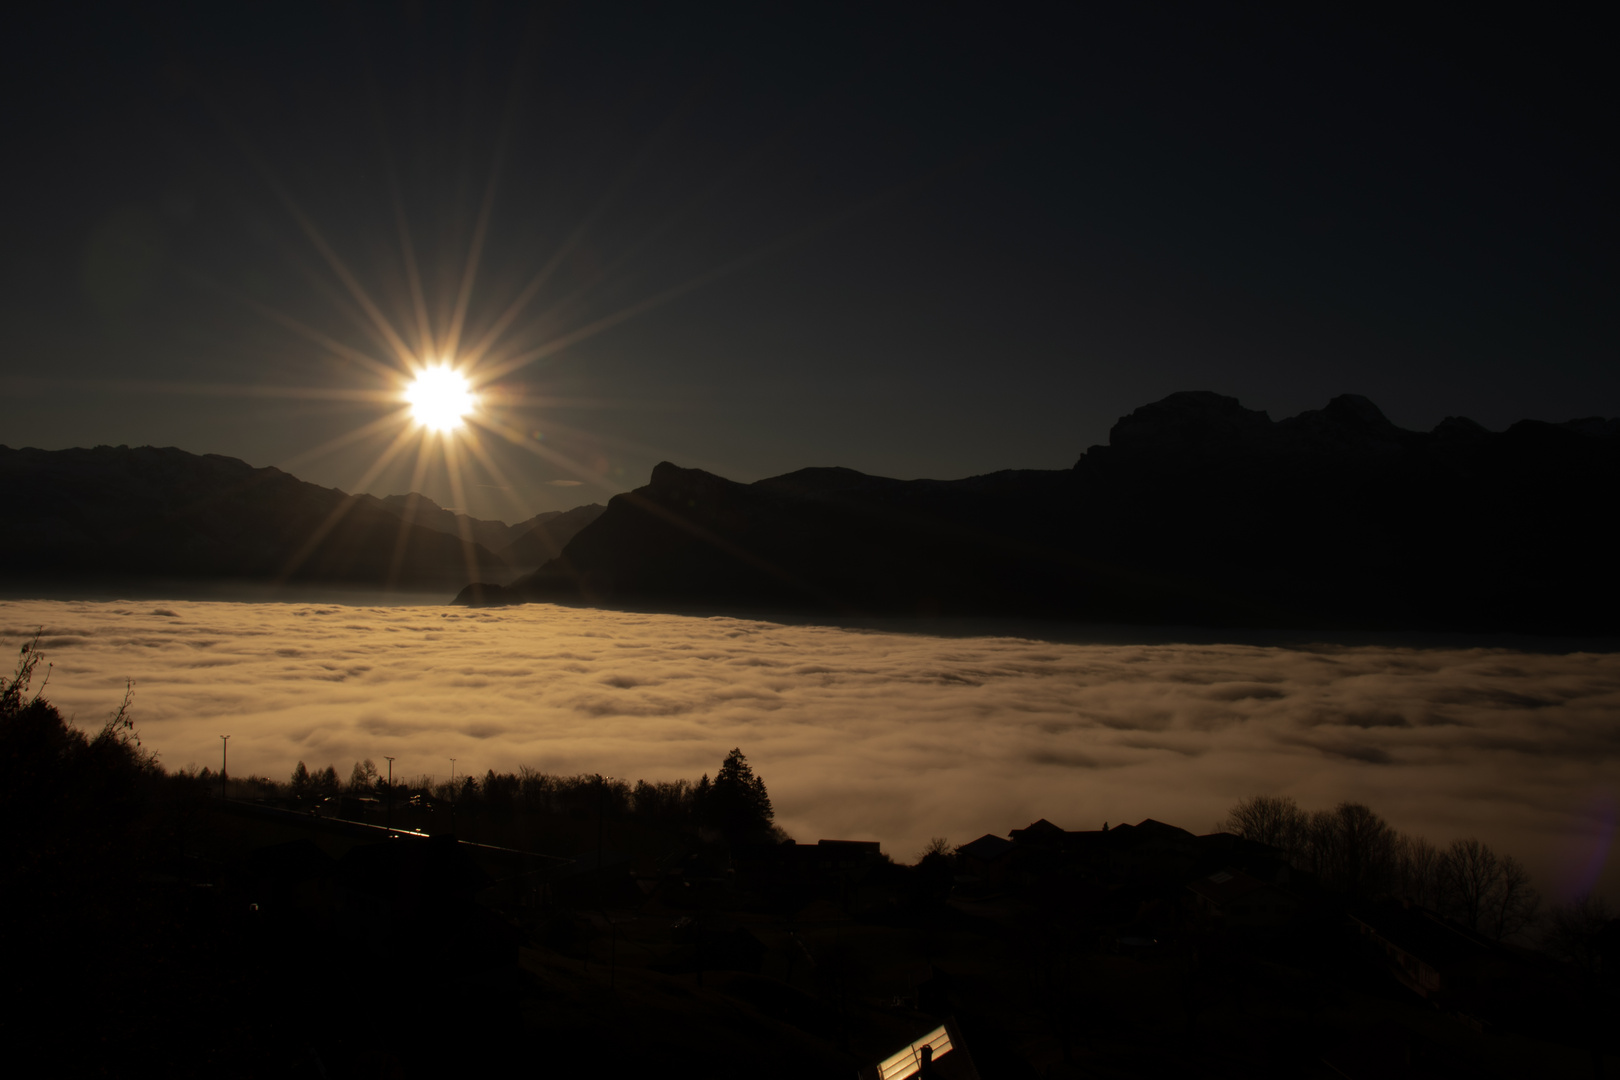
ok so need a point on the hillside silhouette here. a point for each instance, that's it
(542, 538)
(121, 514)
(1197, 511)
(524, 546)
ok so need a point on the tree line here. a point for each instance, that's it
(42, 757)
(1354, 852)
(734, 802)
(65, 791)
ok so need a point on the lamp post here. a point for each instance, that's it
(390, 792)
(224, 760)
(452, 796)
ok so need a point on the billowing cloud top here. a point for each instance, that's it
(873, 735)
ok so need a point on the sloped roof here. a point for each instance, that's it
(1158, 828)
(987, 847)
(1149, 835)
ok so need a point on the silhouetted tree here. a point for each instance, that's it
(1487, 892)
(69, 801)
(1270, 819)
(1471, 869)
(298, 786)
(326, 782)
(936, 869)
(1515, 906)
(1419, 867)
(500, 790)
(363, 778)
(1354, 851)
(737, 803)
(13, 690)
(534, 788)
(700, 796)
(665, 799)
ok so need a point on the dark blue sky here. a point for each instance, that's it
(929, 241)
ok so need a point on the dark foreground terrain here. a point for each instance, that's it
(578, 924)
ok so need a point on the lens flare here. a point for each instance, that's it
(440, 398)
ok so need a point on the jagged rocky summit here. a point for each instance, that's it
(1198, 510)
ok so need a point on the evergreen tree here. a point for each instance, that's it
(300, 781)
(326, 781)
(737, 803)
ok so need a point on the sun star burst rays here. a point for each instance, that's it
(438, 361)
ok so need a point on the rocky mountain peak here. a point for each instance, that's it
(1356, 411)
(672, 482)
(1188, 422)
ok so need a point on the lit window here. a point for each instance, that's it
(908, 1062)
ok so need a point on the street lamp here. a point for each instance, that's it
(224, 759)
(390, 791)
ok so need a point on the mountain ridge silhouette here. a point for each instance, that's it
(121, 514)
(1198, 510)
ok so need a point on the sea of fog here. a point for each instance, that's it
(869, 733)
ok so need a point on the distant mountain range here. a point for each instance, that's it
(1198, 510)
(523, 546)
(116, 514)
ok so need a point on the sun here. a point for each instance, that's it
(440, 398)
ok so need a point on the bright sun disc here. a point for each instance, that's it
(440, 398)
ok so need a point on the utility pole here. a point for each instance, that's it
(390, 791)
(224, 760)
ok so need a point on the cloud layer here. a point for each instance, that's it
(873, 735)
